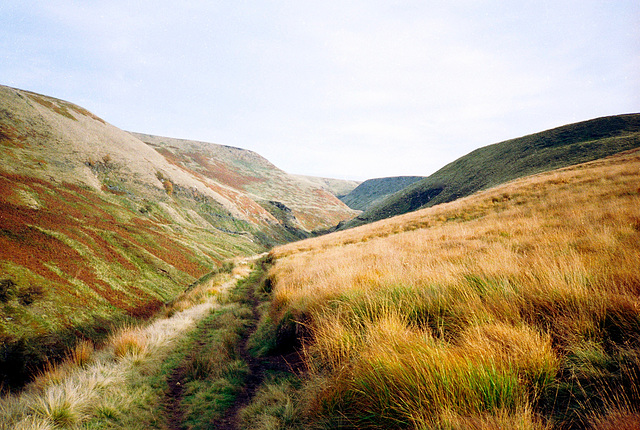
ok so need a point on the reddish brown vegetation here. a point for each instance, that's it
(80, 216)
(220, 172)
(9, 136)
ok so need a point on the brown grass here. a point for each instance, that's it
(128, 342)
(82, 354)
(523, 299)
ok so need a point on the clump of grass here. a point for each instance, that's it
(524, 419)
(397, 375)
(276, 405)
(83, 353)
(32, 423)
(513, 312)
(128, 342)
(523, 348)
(62, 405)
(618, 419)
(51, 374)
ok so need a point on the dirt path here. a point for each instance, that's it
(174, 413)
(173, 409)
(259, 368)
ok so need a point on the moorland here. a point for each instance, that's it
(152, 282)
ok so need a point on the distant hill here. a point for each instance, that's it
(501, 162)
(337, 187)
(98, 227)
(373, 191)
(247, 176)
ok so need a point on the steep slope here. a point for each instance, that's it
(373, 191)
(98, 227)
(297, 203)
(501, 162)
(515, 307)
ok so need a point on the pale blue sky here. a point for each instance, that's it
(334, 88)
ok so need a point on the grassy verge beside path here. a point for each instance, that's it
(123, 385)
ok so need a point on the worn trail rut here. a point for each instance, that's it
(258, 368)
(174, 413)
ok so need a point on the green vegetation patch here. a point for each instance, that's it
(215, 373)
(501, 162)
(207, 372)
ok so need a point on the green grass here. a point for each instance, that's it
(125, 383)
(373, 191)
(215, 373)
(209, 359)
(276, 405)
(501, 162)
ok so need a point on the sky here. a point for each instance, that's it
(351, 89)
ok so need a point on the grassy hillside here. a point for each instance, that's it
(516, 307)
(337, 187)
(181, 370)
(496, 164)
(373, 191)
(97, 227)
(253, 179)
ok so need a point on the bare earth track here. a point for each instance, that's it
(174, 414)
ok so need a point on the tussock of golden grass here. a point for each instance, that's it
(52, 374)
(480, 306)
(82, 354)
(33, 424)
(63, 405)
(522, 419)
(392, 371)
(618, 420)
(128, 342)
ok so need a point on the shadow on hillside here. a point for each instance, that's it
(22, 359)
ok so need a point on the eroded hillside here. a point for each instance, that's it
(255, 183)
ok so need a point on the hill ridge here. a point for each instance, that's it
(500, 162)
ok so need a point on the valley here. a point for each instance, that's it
(155, 282)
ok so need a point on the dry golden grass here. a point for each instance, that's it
(128, 342)
(478, 308)
(82, 354)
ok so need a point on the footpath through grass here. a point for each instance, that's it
(181, 370)
(208, 361)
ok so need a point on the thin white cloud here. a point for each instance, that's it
(331, 88)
